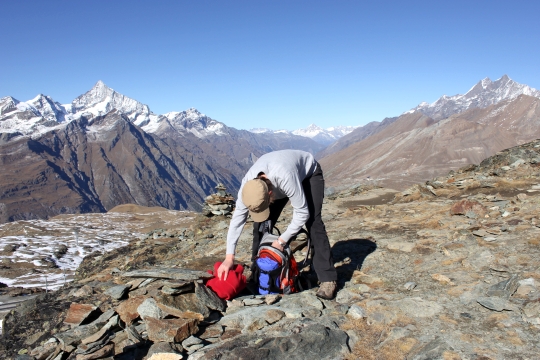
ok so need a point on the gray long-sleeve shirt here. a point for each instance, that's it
(286, 169)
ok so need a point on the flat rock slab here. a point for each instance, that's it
(301, 300)
(170, 330)
(433, 350)
(75, 335)
(169, 273)
(401, 246)
(212, 331)
(77, 313)
(101, 353)
(495, 303)
(346, 296)
(243, 318)
(162, 348)
(128, 309)
(504, 289)
(165, 356)
(315, 341)
(118, 292)
(418, 307)
(184, 303)
(463, 206)
(209, 298)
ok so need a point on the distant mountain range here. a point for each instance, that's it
(322, 136)
(106, 149)
(431, 139)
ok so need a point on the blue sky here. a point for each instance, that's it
(275, 64)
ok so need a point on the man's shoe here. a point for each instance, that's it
(327, 290)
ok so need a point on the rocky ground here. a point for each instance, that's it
(448, 269)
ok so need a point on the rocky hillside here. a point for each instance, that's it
(447, 269)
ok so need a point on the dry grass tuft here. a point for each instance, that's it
(447, 193)
(432, 224)
(512, 185)
(407, 199)
(371, 336)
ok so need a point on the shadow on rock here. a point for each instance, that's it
(349, 255)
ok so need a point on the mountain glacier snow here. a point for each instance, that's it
(481, 95)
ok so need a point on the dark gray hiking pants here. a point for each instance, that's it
(323, 263)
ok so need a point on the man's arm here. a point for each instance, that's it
(235, 229)
(292, 188)
(238, 220)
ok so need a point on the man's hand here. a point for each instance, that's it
(277, 244)
(226, 265)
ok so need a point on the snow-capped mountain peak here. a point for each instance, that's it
(314, 132)
(193, 121)
(483, 94)
(48, 108)
(101, 99)
(311, 131)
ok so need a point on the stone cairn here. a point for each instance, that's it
(220, 203)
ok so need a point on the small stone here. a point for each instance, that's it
(194, 348)
(505, 288)
(293, 313)
(435, 349)
(526, 287)
(311, 313)
(418, 307)
(228, 334)
(443, 279)
(271, 299)
(273, 316)
(150, 308)
(101, 353)
(480, 233)
(494, 303)
(165, 356)
(9, 248)
(410, 285)
(532, 309)
(363, 288)
(401, 246)
(84, 291)
(117, 292)
(250, 302)
(345, 296)
(368, 279)
(192, 340)
(256, 324)
(212, 331)
(357, 312)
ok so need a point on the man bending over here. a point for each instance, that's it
(269, 184)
